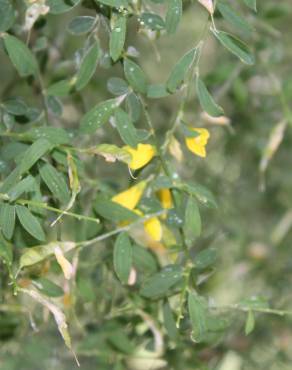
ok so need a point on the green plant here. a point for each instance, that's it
(99, 218)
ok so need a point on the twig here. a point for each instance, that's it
(266, 310)
(49, 208)
(119, 230)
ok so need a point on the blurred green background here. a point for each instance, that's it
(251, 229)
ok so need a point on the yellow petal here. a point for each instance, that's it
(130, 197)
(65, 265)
(197, 145)
(140, 156)
(165, 198)
(203, 133)
(153, 228)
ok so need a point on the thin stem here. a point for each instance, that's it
(187, 91)
(266, 310)
(152, 131)
(53, 209)
(119, 230)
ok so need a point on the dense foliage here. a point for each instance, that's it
(145, 194)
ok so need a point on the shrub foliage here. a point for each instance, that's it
(101, 224)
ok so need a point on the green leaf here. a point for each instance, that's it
(81, 25)
(34, 153)
(98, 116)
(161, 182)
(144, 260)
(180, 70)
(54, 105)
(123, 257)
(202, 194)
(20, 55)
(117, 86)
(88, 66)
(169, 322)
(252, 4)
(24, 186)
(121, 342)
(7, 219)
(118, 36)
(126, 128)
(6, 250)
(34, 255)
(206, 101)
(250, 323)
(192, 222)
(30, 223)
(197, 308)
(160, 283)
(55, 135)
(60, 88)
(133, 106)
(61, 6)
(113, 211)
(232, 17)
(135, 76)
(15, 106)
(157, 91)
(152, 21)
(13, 150)
(55, 182)
(173, 15)
(37, 196)
(114, 3)
(10, 180)
(6, 15)
(47, 287)
(235, 46)
(205, 258)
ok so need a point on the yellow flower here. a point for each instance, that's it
(197, 144)
(165, 198)
(153, 228)
(140, 156)
(130, 197)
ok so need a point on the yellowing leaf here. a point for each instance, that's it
(56, 312)
(140, 156)
(153, 228)
(111, 153)
(165, 198)
(275, 139)
(175, 149)
(220, 121)
(208, 4)
(130, 197)
(33, 12)
(65, 265)
(197, 145)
